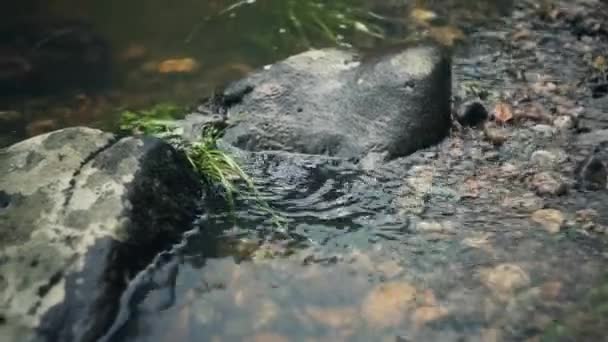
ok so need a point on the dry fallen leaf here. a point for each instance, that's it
(180, 65)
(502, 112)
(422, 16)
(133, 52)
(521, 34)
(446, 35)
(600, 63)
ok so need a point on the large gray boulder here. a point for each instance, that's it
(339, 103)
(80, 212)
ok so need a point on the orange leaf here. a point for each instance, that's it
(502, 112)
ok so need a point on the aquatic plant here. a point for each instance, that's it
(215, 166)
(157, 120)
(304, 22)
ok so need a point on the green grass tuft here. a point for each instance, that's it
(216, 167)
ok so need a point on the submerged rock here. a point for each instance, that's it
(80, 212)
(339, 103)
(472, 113)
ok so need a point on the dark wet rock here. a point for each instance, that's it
(592, 139)
(472, 113)
(80, 212)
(338, 103)
(592, 173)
(11, 126)
(48, 56)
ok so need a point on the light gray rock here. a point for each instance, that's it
(547, 159)
(339, 103)
(80, 211)
(593, 138)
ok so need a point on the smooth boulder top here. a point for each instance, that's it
(339, 103)
(80, 211)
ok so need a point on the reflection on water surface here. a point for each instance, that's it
(68, 62)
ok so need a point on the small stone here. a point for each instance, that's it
(267, 312)
(545, 130)
(335, 318)
(551, 220)
(9, 117)
(521, 34)
(543, 159)
(386, 304)
(544, 183)
(504, 279)
(564, 122)
(491, 335)
(472, 114)
(425, 314)
(268, 337)
(592, 174)
(428, 298)
(480, 241)
(471, 188)
(133, 52)
(433, 227)
(496, 135)
(551, 290)
(586, 215)
(40, 127)
(528, 202)
(389, 268)
(509, 170)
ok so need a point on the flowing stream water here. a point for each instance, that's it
(393, 254)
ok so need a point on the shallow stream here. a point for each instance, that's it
(407, 252)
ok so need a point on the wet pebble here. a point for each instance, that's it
(472, 113)
(544, 130)
(40, 127)
(386, 305)
(528, 202)
(564, 122)
(333, 317)
(495, 134)
(426, 314)
(9, 117)
(592, 173)
(434, 227)
(544, 183)
(509, 170)
(544, 159)
(551, 290)
(550, 220)
(504, 279)
(267, 337)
